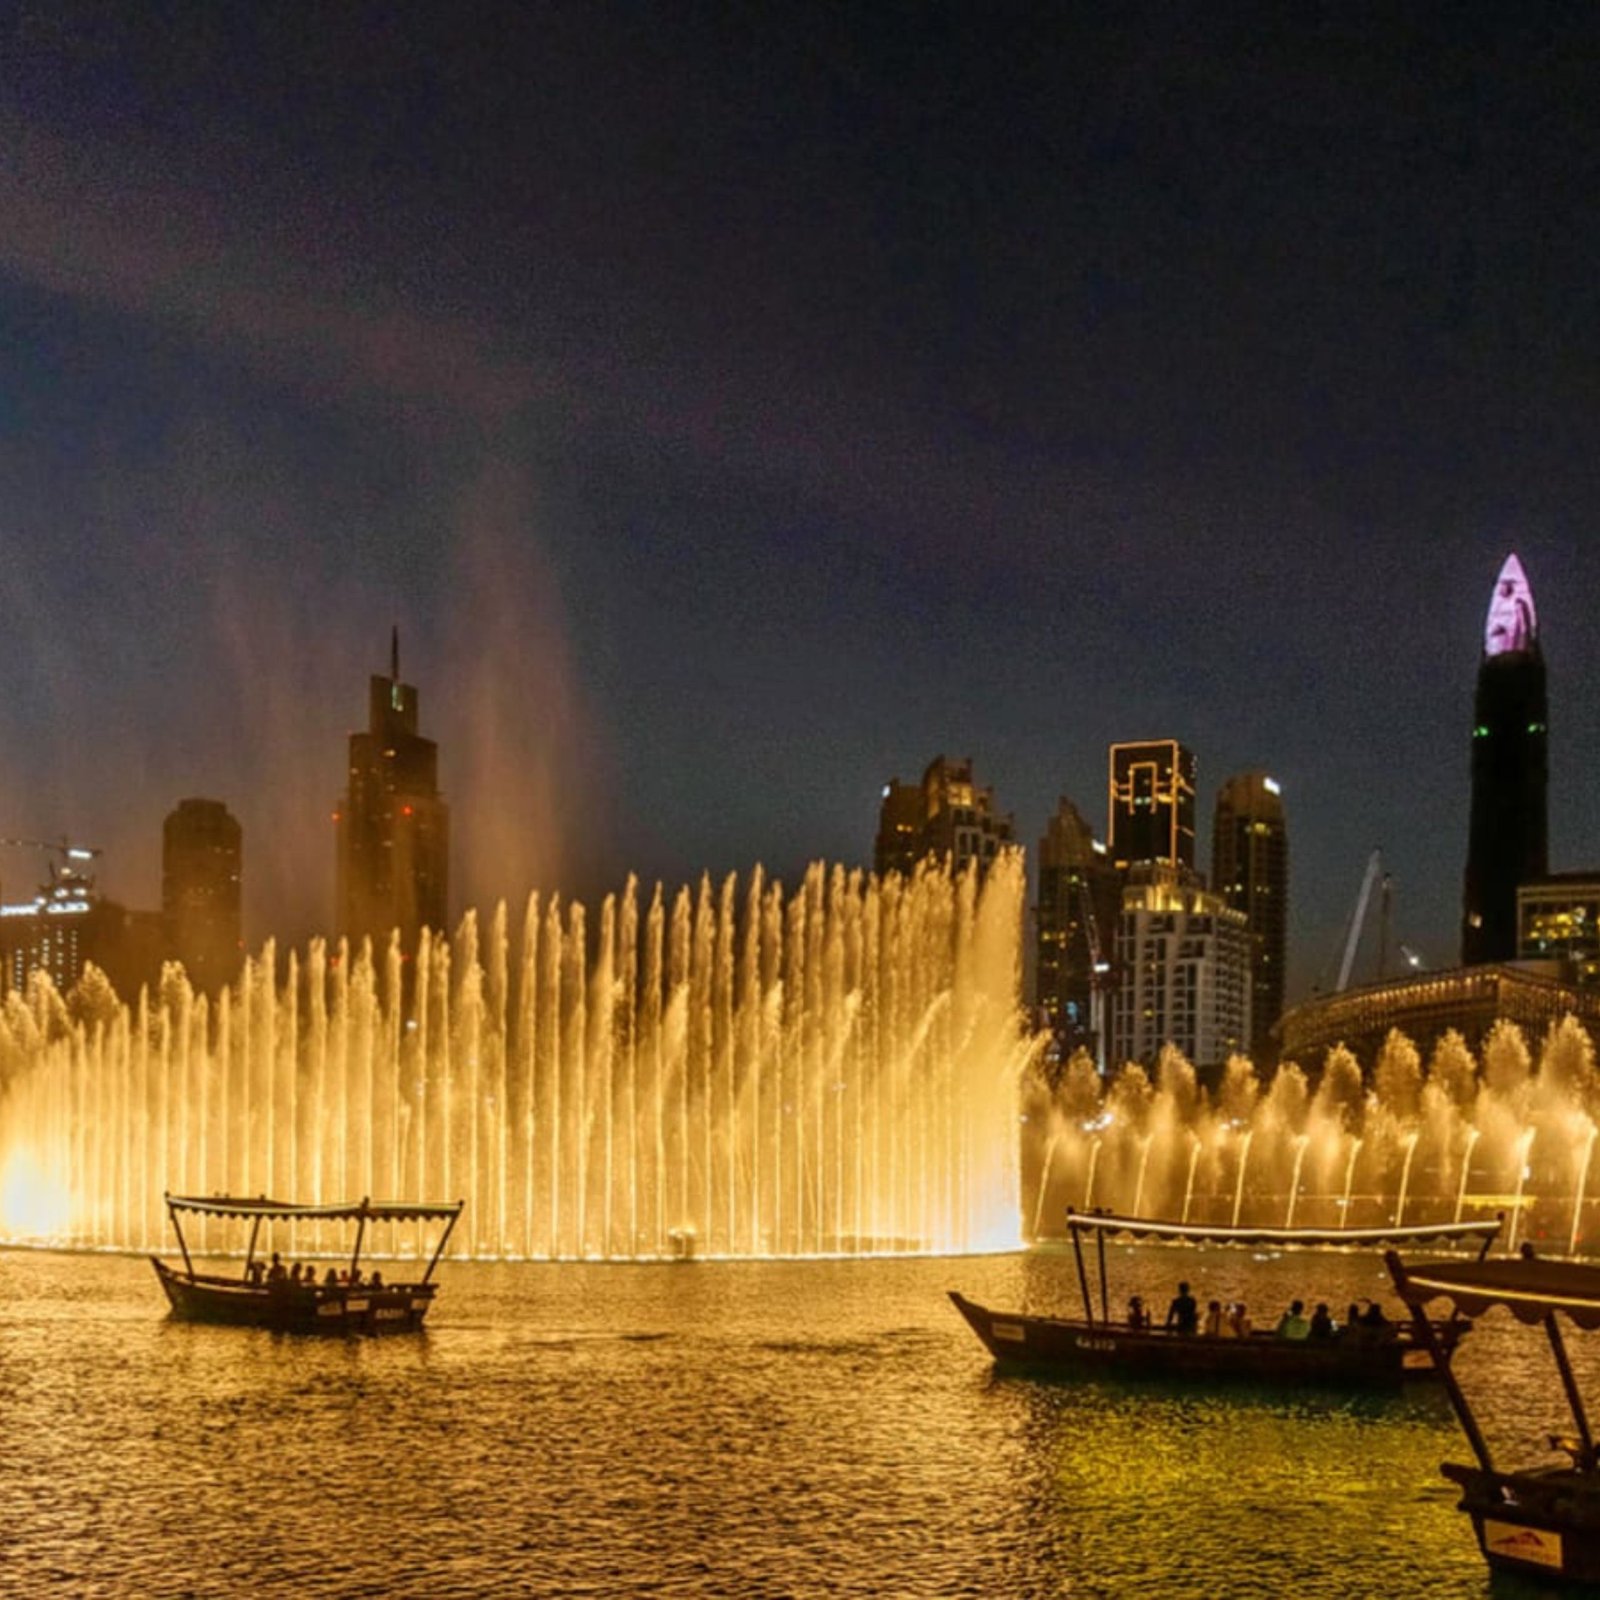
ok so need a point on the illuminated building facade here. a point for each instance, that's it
(1075, 927)
(393, 826)
(1558, 919)
(1151, 811)
(1250, 870)
(68, 925)
(201, 902)
(1423, 1007)
(1183, 972)
(1507, 843)
(947, 816)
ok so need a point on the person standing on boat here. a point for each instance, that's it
(1322, 1322)
(1215, 1323)
(1183, 1315)
(1138, 1317)
(1239, 1321)
(1292, 1324)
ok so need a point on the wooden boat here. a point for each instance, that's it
(253, 1300)
(1098, 1345)
(1541, 1521)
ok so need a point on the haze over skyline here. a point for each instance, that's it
(735, 410)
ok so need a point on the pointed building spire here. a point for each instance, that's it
(1512, 624)
(394, 651)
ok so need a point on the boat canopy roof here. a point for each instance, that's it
(1527, 1286)
(1106, 1222)
(220, 1205)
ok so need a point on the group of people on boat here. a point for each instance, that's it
(276, 1275)
(1233, 1320)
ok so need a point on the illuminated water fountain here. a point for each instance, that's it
(735, 1071)
(1400, 1142)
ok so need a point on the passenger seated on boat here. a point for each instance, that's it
(1183, 1315)
(1322, 1321)
(1352, 1322)
(1376, 1324)
(294, 1274)
(253, 1271)
(1214, 1323)
(1239, 1321)
(355, 1277)
(377, 1279)
(277, 1272)
(331, 1278)
(1292, 1324)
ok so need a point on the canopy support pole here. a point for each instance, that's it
(188, 1265)
(444, 1239)
(1423, 1329)
(1083, 1277)
(250, 1254)
(1558, 1348)
(361, 1228)
(1105, 1298)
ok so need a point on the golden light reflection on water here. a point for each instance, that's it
(35, 1207)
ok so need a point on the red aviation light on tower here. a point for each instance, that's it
(1512, 624)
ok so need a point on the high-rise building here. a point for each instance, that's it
(1250, 870)
(69, 925)
(393, 825)
(1507, 841)
(1183, 963)
(1151, 814)
(899, 841)
(1075, 928)
(200, 892)
(948, 816)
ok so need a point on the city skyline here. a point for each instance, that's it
(728, 435)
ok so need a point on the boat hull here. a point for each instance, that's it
(1073, 1347)
(321, 1309)
(1539, 1524)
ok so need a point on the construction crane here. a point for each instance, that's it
(1374, 878)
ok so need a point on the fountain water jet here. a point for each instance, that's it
(832, 1071)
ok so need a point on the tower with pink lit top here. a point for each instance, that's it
(1507, 841)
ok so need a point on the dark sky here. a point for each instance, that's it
(737, 406)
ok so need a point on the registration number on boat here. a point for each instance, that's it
(1011, 1332)
(391, 1313)
(1094, 1344)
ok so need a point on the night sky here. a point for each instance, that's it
(736, 407)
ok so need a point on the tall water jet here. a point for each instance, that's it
(1405, 1179)
(834, 1070)
(1578, 1193)
(1238, 1183)
(1466, 1167)
(1300, 1143)
(1524, 1149)
(1194, 1161)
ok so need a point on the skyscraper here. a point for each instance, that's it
(1250, 870)
(949, 816)
(1183, 964)
(1075, 918)
(200, 892)
(1151, 813)
(1507, 841)
(393, 825)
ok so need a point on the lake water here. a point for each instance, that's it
(744, 1429)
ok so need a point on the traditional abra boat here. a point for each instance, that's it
(1097, 1345)
(306, 1306)
(1541, 1521)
